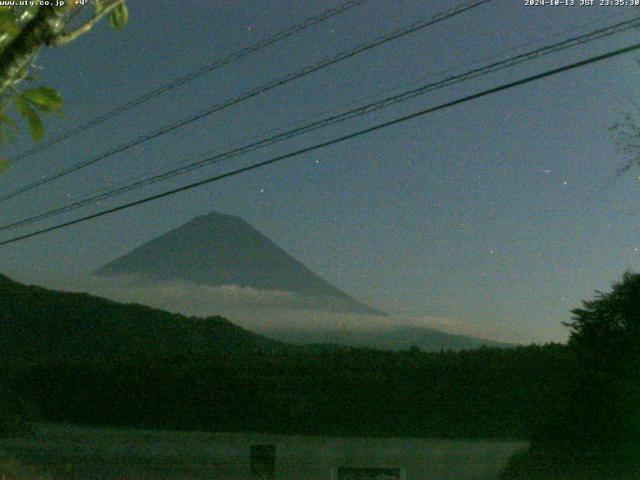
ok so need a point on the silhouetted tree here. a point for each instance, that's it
(594, 432)
(605, 339)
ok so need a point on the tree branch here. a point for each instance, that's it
(62, 39)
(15, 57)
(43, 27)
(27, 15)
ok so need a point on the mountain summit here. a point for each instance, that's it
(217, 250)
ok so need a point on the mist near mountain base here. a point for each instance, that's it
(261, 311)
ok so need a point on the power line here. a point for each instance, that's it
(369, 98)
(334, 141)
(151, 94)
(334, 119)
(416, 26)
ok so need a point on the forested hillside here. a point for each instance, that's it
(482, 393)
(40, 325)
(78, 358)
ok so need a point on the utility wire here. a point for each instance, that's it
(333, 141)
(356, 112)
(233, 57)
(416, 26)
(381, 93)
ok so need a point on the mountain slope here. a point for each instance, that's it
(218, 250)
(38, 324)
(398, 338)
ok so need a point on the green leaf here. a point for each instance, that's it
(8, 23)
(44, 98)
(98, 7)
(119, 16)
(21, 106)
(36, 127)
(4, 164)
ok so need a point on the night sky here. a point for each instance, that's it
(503, 212)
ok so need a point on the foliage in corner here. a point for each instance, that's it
(24, 32)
